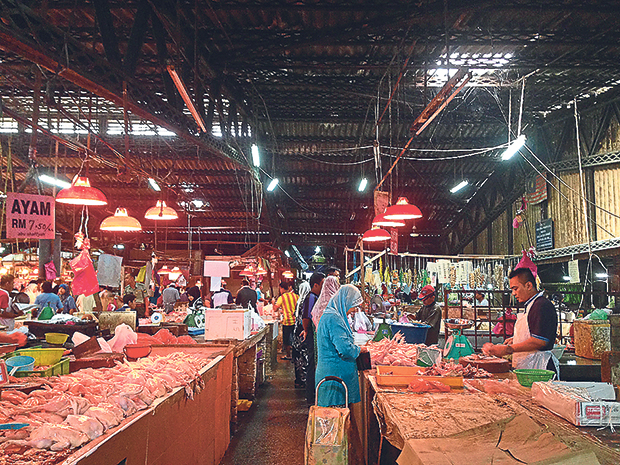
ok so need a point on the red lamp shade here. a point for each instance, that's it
(248, 271)
(380, 220)
(260, 270)
(80, 193)
(161, 212)
(121, 221)
(288, 274)
(376, 235)
(402, 210)
(164, 270)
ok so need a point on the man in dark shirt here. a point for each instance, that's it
(316, 284)
(246, 295)
(429, 314)
(535, 331)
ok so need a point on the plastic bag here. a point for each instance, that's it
(526, 262)
(361, 322)
(50, 271)
(141, 275)
(85, 279)
(598, 314)
(123, 335)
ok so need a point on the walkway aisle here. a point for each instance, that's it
(273, 431)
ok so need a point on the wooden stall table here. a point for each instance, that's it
(411, 421)
(146, 438)
(271, 346)
(244, 369)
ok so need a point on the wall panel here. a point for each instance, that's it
(567, 212)
(606, 195)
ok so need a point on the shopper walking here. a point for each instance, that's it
(170, 297)
(246, 296)
(337, 352)
(286, 305)
(221, 297)
(308, 335)
(299, 352)
(66, 299)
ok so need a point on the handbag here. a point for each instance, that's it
(363, 361)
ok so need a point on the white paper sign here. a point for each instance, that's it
(216, 283)
(216, 268)
(573, 271)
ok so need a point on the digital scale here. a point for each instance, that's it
(377, 308)
(457, 345)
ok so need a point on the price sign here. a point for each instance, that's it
(30, 216)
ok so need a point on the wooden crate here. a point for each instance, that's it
(592, 338)
(402, 376)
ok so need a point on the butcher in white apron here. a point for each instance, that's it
(535, 330)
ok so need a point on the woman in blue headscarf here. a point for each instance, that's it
(336, 351)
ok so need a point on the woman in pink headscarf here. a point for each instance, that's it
(330, 287)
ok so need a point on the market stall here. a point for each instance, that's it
(129, 421)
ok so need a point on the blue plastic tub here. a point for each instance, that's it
(415, 333)
(25, 362)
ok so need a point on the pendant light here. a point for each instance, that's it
(248, 270)
(260, 270)
(376, 235)
(287, 274)
(81, 193)
(402, 210)
(161, 212)
(121, 222)
(174, 274)
(380, 220)
(164, 270)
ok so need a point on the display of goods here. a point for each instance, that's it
(77, 408)
(426, 385)
(487, 363)
(452, 277)
(592, 338)
(163, 336)
(393, 351)
(175, 317)
(450, 369)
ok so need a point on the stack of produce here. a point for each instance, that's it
(394, 351)
(163, 336)
(456, 369)
(77, 408)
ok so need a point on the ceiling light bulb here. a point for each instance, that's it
(459, 186)
(566, 278)
(154, 185)
(514, 147)
(602, 275)
(317, 249)
(363, 184)
(272, 185)
(287, 254)
(255, 155)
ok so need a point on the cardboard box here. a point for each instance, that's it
(227, 324)
(581, 403)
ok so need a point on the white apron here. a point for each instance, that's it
(537, 359)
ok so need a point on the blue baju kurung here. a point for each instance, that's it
(336, 351)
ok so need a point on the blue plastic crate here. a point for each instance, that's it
(415, 333)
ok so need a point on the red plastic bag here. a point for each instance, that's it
(526, 262)
(50, 271)
(84, 276)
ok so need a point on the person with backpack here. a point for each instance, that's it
(48, 299)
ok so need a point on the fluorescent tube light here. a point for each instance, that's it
(287, 254)
(514, 147)
(459, 186)
(602, 275)
(255, 155)
(566, 278)
(363, 184)
(272, 185)
(53, 181)
(154, 185)
(317, 249)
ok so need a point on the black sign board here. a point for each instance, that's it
(544, 235)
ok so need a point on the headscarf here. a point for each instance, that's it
(64, 296)
(348, 296)
(330, 287)
(194, 291)
(304, 290)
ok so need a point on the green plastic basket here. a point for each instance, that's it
(528, 376)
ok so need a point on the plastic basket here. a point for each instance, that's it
(43, 356)
(22, 361)
(415, 333)
(60, 368)
(56, 338)
(528, 376)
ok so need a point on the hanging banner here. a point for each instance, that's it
(536, 190)
(382, 200)
(30, 216)
(393, 241)
(573, 271)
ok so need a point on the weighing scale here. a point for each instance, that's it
(157, 318)
(377, 308)
(457, 345)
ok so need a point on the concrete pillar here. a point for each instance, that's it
(49, 249)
